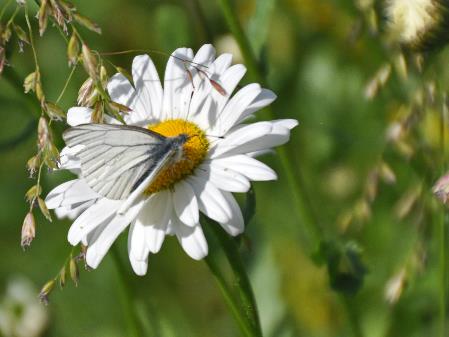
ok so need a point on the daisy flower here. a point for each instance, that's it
(216, 162)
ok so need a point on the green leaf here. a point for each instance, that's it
(259, 24)
(232, 278)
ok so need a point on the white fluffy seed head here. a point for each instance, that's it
(414, 21)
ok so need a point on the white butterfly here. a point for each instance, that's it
(121, 161)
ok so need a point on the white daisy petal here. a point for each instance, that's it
(120, 90)
(68, 159)
(253, 137)
(224, 177)
(235, 225)
(265, 98)
(91, 218)
(204, 56)
(136, 239)
(98, 249)
(185, 203)
(229, 81)
(221, 64)
(177, 85)
(73, 211)
(148, 88)
(251, 168)
(241, 136)
(202, 60)
(259, 153)
(236, 106)
(79, 115)
(154, 219)
(68, 193)
(192, 240)
(210, 199)
(285, 123)
(93, 236)
(138, 254)
(139, 267)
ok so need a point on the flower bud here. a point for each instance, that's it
(395, 286)
(54, 111)
(2, 59)
(87, 94)
(74, 271)
(43, 16)
(441, 188)
(386, 173)
(29, 84)
(43, 134)
(33, 164)
(46, 290)
(28, 231)
(104, 79)
(44, 209)
(88, 23)
(62, 276)
(33, 193)
(89, 62)
(73, 50)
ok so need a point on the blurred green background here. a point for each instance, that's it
(318, 58)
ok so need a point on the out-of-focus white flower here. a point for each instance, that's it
(21, 314)
(218, 157)
(418, 24)
(227, 44)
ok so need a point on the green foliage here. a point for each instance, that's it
(335, 73)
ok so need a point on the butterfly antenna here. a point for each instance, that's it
(190, 76)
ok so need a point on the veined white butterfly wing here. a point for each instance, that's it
(115, 159)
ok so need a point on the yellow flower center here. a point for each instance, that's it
(193, 152)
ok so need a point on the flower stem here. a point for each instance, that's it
(237, 292)
(352, 316)
(442, 229)
(443, 267)
(126, 295)
(314, 232)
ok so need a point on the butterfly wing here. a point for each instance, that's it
(116, 158)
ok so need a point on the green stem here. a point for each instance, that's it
(442, 230)
(352, 316)
(242, 40)
(314, 234)
(237, 292)
(3, 10)
(66, 84)
(126, 295)
(213, 265)
(443, 267)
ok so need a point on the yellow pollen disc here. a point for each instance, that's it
(194, 150)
